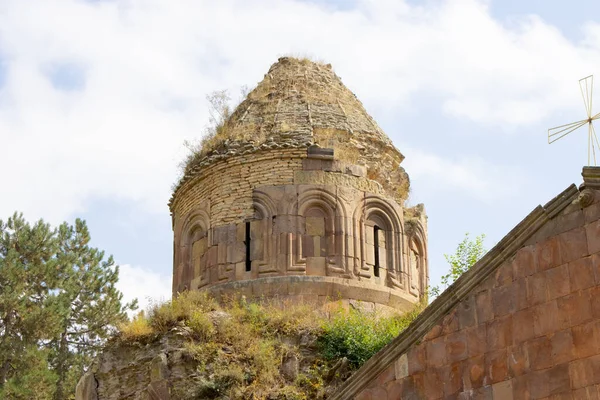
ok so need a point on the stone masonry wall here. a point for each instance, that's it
(230, 194)
(530, 330)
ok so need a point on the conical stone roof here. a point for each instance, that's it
(300, 103)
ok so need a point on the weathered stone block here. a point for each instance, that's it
(557, 281)
(456, 347)
(315, 266)
(496, 363)
(315, 226)
(581, 273)
(436, 352)
(573, 245)
(592, 231)
(503, 390)
(548, 254)
(545, 318)
(499, 332)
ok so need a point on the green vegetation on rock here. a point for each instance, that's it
(266, 349)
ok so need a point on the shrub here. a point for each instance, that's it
(139, 327)
(358, 335)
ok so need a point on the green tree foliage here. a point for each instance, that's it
(58, 304)
(466, 255)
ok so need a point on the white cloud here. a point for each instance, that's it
(472, 175)
(148, 287)
(145, 67)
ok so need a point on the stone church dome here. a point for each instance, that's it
(299, 195)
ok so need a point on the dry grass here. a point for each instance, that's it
(139, 327)
(239, 346)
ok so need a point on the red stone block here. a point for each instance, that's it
(450, 322)
(483, 302)
(521, 294)
(596, 267)
(434, 385)
(521, 387)
(522, 326)
(496, 366)
(548, 255)
(504, 300)
(436, 331)
(539, 351)
(389, 374)
(545, 318)
(584, 342)
(394, 390)
(518, 360)
(581, 273)
(574, 309)
(594, 297)
(476, 340)
(558, 379)
(451, 375)
(473, 372)
(558, 282)
(588, 393)
(581, 373)
(573, 245)
(524, 262)
(417, 359)
(456, 347)
(562, 347)
(503, 275)
(466, 311)
(379, 394)
(436, 352)
(499, 333)
(537, 290)
(539, 385)
(593, 236)
(592, 213)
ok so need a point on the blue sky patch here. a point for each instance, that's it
(66, 76)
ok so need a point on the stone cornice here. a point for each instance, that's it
(591, 177)
(504, 250)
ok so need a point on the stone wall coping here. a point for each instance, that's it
(591, 177)
(461, 288)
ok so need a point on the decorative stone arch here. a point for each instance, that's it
(418, 269)
(322, 218)
(192, 239)
(376, 216)
(262, 241)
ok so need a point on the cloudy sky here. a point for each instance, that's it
(97, 97)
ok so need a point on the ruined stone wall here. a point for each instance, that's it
(529, 330)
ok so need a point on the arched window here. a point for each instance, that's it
(377, 231)
(191, 251)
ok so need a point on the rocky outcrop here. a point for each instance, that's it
(159, 370)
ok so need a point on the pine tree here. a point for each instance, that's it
(58, 304)
(90, 304)
(28, 275)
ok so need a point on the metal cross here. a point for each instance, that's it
(586, 85)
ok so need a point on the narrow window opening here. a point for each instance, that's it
(376, 230)
(247, 243)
